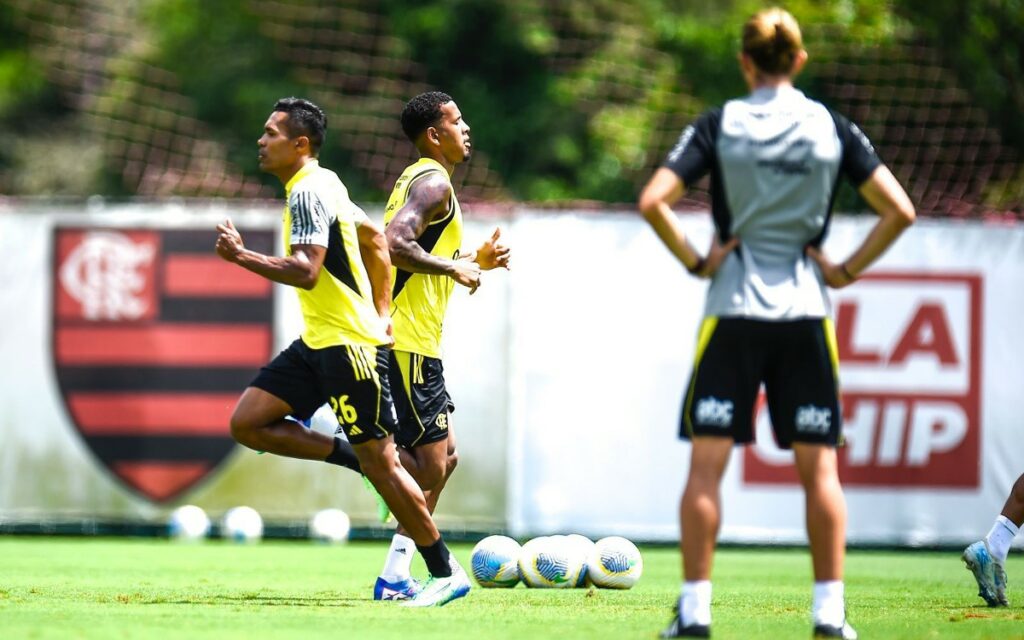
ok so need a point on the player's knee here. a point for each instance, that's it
(432, 472)
(242, 431)
(452, 462)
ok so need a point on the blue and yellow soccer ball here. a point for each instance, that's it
(550, 562)
(495, 562)
(615, 563)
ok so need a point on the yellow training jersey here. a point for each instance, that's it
(419, 300)
(339, 309)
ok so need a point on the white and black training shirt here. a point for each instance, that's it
(775, 159)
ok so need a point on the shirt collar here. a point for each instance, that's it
(307, 169)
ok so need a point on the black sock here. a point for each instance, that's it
(344, 456)
(437, 558)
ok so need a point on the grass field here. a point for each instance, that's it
(145, 588)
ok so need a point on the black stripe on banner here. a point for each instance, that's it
(160, 448)
(202, 379)
(203, 240)
(226, 310)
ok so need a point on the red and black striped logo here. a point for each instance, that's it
(154, 338)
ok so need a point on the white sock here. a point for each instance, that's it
(1000, 537)
(695, 603)
(398, 565)
(829, 603)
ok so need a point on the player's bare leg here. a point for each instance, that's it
(700, 507)
(379, 462)
(700, 514)
(431, 465)
(258, 422)
(818, 468)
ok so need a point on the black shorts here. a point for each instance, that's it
(421, 400)
(796, 360)
(352, 379)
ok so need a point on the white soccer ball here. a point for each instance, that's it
(583, 547)
(330, 525)
(615, 563)
(549, 562)
(188, 522)
(242, 524)
(495, 562)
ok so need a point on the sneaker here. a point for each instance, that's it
(989, 574)
(401, 590)
(845, 632)
(440, 591)
(383, 511)
(675, 629)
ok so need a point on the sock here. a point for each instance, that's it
(437, 558)
(344, 455)
(398, 565)
(999, 538)
(829, 603)
(695, 603)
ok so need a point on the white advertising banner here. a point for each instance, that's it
(127, 342)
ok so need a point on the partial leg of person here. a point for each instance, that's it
(431, 465)
(825, 507)
(700, 516)
(986, 558)
(286, 386)
(717, 414)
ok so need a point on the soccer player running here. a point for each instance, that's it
(337, 260)
(424, 232)
(987, 557)
(775, 158)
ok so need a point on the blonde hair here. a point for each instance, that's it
(771, 38)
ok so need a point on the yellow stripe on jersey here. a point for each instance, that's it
(707, 329)
(339, 308)
(419, 300)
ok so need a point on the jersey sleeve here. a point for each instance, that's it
(358, 215)
(859, 157)
(695, 151)
(310, 220)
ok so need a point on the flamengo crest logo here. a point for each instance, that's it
(154, 339)
(910, 370)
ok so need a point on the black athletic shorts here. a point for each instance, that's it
(421, 400)
(796, 360)
(352, 379)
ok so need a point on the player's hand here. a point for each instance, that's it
(467, 273)
(717, 254)
(835, 275)
(491, 254)
(229, 241)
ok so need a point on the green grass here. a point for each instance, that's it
(143, 588)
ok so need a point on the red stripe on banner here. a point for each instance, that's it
(166, 345)
(209, 276)
(160, 480)
(147, 414)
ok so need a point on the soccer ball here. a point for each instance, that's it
(188, 523)
(583, 547)
(615, 563)
(330, 525)
(242, 524)
(549, 562)
(495, 562)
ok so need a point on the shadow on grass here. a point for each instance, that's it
(262, 601)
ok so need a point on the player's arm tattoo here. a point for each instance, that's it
(428, 199)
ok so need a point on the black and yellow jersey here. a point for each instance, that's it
(339, 309)
(419, 300)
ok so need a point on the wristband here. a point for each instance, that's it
(695, 269)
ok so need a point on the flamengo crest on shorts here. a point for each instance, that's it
(154, 337)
